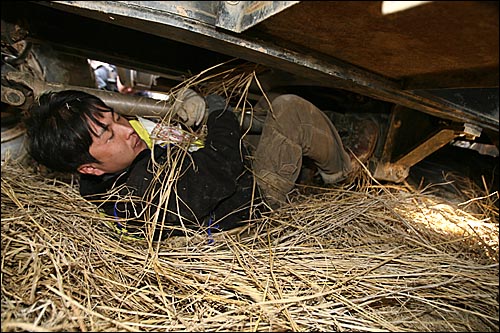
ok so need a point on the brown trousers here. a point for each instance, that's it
(295, 128)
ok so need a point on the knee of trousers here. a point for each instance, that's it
(278, 154)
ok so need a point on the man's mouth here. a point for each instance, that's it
(137, 141)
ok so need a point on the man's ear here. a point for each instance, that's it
(90, 169)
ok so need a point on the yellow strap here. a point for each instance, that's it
(141, 131)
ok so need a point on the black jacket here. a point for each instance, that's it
(215, 186)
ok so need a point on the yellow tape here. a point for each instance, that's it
(141, 131)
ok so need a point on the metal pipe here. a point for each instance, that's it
(129, 105)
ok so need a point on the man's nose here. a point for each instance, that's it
(127, 129)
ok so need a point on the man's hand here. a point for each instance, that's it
(190, 107)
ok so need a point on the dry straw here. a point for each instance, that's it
(358, 257)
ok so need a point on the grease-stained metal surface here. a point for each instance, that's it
(440, 44)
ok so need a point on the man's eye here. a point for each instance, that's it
(111, 134)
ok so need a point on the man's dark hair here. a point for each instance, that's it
(58, 130)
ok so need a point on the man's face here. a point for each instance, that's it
(115, 146)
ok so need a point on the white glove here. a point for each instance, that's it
(190, 107)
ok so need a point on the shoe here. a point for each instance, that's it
(362, 139)
(359, 137)
(359, 132)
(361, 145)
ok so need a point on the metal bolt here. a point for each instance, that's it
(13, 97)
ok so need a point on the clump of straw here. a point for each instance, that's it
(359, 259)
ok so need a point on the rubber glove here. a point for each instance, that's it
(190, 107)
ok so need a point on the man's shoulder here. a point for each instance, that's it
(91, 186)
